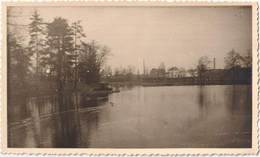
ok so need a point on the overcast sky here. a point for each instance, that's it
(177, 36)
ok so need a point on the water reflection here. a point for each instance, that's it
(141, 117)
(61, 114)
(203, 103)
(66, 130)
(236, 98)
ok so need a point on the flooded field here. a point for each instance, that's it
(136, 117)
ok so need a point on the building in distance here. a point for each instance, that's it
(175, 72)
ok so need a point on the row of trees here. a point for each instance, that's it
(233, 60)
(56, 48)
(237, 65)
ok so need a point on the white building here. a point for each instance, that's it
(175, 72)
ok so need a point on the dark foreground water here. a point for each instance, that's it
(137, 117)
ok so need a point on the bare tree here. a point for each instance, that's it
(202, 67)
(93, 58)
(247, 59)
(232, 60)
(192, 72)
(131, 69)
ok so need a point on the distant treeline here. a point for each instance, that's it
(238, 70)
(212, 76)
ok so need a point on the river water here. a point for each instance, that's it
(136, 117)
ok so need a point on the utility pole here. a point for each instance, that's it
(143, 66)
(214, 63)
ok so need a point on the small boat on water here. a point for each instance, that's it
(97, 98)
(100, 92)
(103, 86)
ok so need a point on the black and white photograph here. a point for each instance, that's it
(131, 77)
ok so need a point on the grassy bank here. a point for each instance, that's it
(181, 83)
(46, 87)
(42, 88)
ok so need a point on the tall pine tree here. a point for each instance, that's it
(78, 34)
(19, 63)
(60, 46)
(36, 43)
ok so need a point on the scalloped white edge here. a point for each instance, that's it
(132, 152)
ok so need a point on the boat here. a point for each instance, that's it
(97, 98)
(103, 86)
